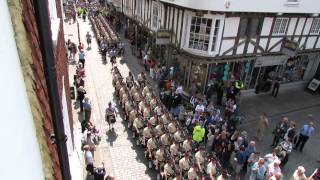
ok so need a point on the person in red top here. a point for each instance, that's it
(81, 46)
(152, 65)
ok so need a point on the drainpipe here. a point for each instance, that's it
(42, 17)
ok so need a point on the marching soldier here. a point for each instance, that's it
(132, 116)
(168, 170)
(147, 133)
(165, 118)
(146, 113)
(174, 150)
(145, 90)
(129, 80)
(172, 127)
(184, 164)
(187, 145)
(165, 139)
(159, 130)
(158, 110)
(159, 157)
(177, 136)
(153, 102)
(200, 158)
(193, 172)
(153, 120)
(151, 147)
(212, 168)
(127, 108)
(141, 106)
(138, 125)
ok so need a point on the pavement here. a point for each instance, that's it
(126, 161)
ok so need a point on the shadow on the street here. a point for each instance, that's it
(112, 136)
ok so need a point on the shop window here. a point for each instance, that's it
(294, 69)
(315, 27)
(280, 26)
(155, 15)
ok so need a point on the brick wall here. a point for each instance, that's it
(29, 49)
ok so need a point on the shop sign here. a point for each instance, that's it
(289, 47)
(163, 37)
(314, 84)
(270, 61)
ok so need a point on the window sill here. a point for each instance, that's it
(200, 53)
(291, 4)
(55, 26)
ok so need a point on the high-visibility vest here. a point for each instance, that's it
(198, 133)
(239, 84)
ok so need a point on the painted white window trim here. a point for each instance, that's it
(277, 33)
(208, 53)
(54, 21)
(152, 15)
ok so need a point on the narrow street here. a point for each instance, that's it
(121, 158)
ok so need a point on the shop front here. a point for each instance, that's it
(256, 73)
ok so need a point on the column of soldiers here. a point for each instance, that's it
(169, 147)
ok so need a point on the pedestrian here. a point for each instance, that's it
(276, 86)
(306, 131)
(88, 159)
(291, 132)
(88, 36)
(299, 174)
(258, 170)
(81, 95)
(73, 51)
(152, 65)
(82, 58)
(111, 116)
(240, 159)
(100, 172)
(262, 125)
(279, 131)
(219, 89)
(87, 109)
(274, 169)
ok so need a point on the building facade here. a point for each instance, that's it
(39, 142)
(235, 40)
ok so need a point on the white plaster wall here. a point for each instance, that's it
(296, 39)
(240, 49)
(310, 42)
(267, 22)
(318, 44)
(308, 26)
(162, 15)
(231, 27)
(273, 41)
(175, 24)
(300, 26)
(179, 25)
(292, 26)
(20, 150)
(226, 44)
(302, 41)
(304, 6)
(263, 43)
(250, 48)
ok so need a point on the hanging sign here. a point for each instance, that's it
(163, 37)
(289, 47)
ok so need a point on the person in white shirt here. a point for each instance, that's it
(274, 169)
(299, 174)
(212, 168)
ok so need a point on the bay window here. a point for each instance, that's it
(203, 34)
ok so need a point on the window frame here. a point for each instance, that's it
(155, 18)
(209, 51)
(279, 27)
(315, 27)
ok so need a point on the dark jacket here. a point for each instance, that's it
(281, 129)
